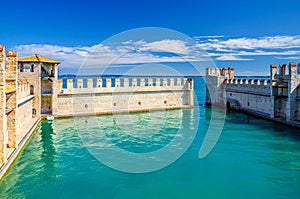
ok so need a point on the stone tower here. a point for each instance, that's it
(3, 131)
(294, 80)
(11, 102)
(284, 91)
(214, 80)
(42, 72)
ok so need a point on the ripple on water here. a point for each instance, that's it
(253, 158)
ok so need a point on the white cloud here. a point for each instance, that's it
(255, 53)
(129, 52)
(208, 37)
(271, 42)
(289, 58)
(172, 46)
(231, 58)
(135, 52)
(232, 48)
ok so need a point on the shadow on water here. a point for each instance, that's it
(277, 129)
(49, 152)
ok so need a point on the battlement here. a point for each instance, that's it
(284, 71)
(259, 86)
(128, 84)
(11, 54)
(227, 73)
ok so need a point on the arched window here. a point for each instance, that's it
(33, 111)
(31, 90)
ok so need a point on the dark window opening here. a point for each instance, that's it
(33, 111)
(31, 90)
(228, 105)
(165, 102)
(21, 68)
(86, 106)
(248, 104)
(32, 68)
(139, 103)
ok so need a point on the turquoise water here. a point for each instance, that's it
(253, 158)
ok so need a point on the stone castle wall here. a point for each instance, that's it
(91, 97)
(277, 98)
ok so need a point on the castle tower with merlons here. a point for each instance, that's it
(276, 98)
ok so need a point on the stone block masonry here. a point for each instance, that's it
(99, 98)
(276, 98)
(3, 123)
(11, 102)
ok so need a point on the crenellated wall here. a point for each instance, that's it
(285, 91)
(214, 83)
(252, 95)
(93, 96)
(277, 98)
(29, 89)
(255, 86)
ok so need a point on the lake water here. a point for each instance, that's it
(253, 158)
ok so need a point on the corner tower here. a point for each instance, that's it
(214, 80)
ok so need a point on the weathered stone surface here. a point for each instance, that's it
(277, 98)
(126, 98)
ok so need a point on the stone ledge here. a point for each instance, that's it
(24, 100)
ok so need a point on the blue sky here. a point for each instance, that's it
(247, 35)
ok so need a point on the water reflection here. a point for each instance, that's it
(49, 152)
(140, 140)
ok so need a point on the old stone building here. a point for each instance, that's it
(42, 73)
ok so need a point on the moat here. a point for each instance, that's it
(260, 159)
